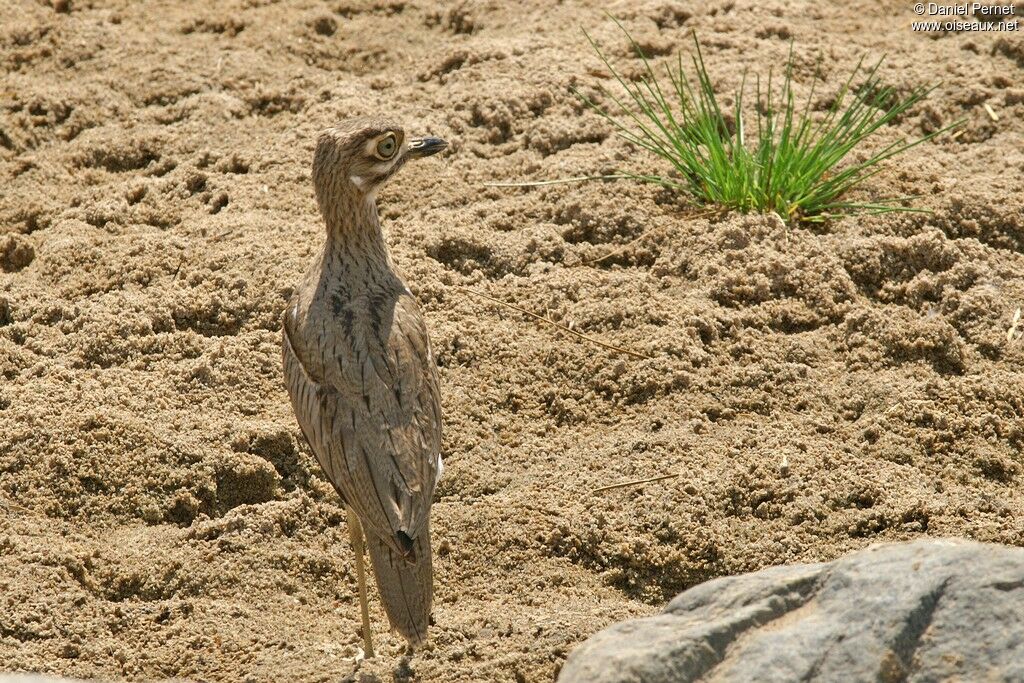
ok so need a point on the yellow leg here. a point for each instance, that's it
(355, 533)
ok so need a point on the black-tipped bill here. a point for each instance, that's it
(424, 147)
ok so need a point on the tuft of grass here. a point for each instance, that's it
(792, 164)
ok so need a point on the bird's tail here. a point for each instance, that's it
(406, 587)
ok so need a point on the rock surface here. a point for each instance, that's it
(932, 610)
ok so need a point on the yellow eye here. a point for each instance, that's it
(387, 146)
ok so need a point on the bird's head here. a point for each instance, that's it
(358, 156)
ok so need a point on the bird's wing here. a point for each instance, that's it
(373, 418)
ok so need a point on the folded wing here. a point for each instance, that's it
(371, 414)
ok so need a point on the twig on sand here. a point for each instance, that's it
(559, 181)
(645, 234)
(10, 504)
(1015, 334)
(627, 245)
(549, 321)
(635, 482)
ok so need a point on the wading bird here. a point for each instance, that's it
(361, 376)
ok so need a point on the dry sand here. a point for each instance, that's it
(160, 515)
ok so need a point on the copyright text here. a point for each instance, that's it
(969, 16)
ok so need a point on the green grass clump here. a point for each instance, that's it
(792, 166)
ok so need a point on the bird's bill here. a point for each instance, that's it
(424, 147)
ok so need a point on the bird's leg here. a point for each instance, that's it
(355, 534)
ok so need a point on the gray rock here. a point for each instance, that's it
(931, 610)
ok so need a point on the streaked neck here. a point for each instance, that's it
(353, 228)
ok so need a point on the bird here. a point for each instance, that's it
(361, 375)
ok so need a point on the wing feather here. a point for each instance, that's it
(372, 416)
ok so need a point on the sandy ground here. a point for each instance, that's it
(160, 515)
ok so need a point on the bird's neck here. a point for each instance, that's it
(353, 231)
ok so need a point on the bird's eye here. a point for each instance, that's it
(387, 146)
